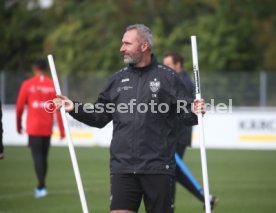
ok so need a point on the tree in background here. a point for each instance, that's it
(85, 35)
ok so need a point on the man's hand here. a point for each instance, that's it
(61, 100)
(1, 155)
(198, 106)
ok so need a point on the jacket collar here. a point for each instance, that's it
(146, 68)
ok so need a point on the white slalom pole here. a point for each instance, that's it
(201, 130)
(69, 138)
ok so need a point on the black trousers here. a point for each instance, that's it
(39, 146)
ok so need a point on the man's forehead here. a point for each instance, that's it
(130, 35)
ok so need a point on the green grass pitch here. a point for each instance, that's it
(244, 181)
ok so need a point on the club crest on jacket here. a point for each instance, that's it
(154, 85)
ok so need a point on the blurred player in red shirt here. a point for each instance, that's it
(36, 93)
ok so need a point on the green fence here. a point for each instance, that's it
(243, 88)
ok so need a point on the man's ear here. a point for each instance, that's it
(178, 66)
(145, 46)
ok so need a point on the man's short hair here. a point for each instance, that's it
(41, 64)
(144, 32)
(176, 57)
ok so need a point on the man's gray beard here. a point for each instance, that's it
(131, 60)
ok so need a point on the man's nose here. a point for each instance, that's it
(122, 49)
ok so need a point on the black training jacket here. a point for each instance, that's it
(142, 142)
(185, 132)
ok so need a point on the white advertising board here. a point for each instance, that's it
(246, 128)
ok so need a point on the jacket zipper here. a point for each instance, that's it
(135, 122)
